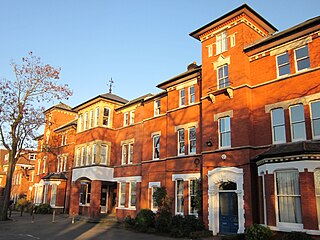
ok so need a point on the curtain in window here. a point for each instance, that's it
(317, 189)
(289, 200)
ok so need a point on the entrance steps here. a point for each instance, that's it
(108, 219)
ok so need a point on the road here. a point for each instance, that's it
(63, 229)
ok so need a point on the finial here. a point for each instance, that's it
(110, 85)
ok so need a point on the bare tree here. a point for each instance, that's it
(21, 110)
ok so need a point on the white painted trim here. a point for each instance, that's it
(185, 177)
(215, 178)
(223, 114)
(154, 184)
(299, 165)
(304, 121)
(221, 61)
(291, 45)
(311, 117)
(285, 104)
(186, 84)
(128, 179)
(94, 172)
(186, 126)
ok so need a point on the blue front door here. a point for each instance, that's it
(228, 212)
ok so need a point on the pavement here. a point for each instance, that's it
(43, 227)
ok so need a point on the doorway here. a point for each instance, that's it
(104, 199)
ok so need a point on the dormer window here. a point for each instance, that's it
(157, 106)
(221, 42)
(106, 116)
(182, 97)
(126, 119)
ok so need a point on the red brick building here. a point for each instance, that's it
(247, 121)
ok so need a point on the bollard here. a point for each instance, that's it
(53, 215)
(32, 219)
(72, 219)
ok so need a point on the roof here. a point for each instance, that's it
(297, 29)
(137, 100)
(61, 106)
(67, 125)
(291, 149)
(57, 176)
(107, 96)
(242, 9)
(192, 72)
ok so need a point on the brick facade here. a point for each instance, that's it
(215, 120)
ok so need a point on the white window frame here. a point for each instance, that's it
(224, 79)
(83, 156)
(282, 65)
(192, 195)
(97, 116)
(94, 154)
(122, 194)
(221, 133)
(192, 95)
(155, 147)
(312, 119)
(124, 154)
(125, 119)
(274, 126)
(106, 117)
(78, 157)
(221, 42)
(132, 115)
(157, 107)
(88, 157)
(317, 192)
(130, 153)
(181, 131)
(91, 119)
(182, 97)
(39, 166)
(153, 204)
(195, 139)
(303, 58)
(87, 194)
(177, 195)
(132, 193)
(53, 195)
(293, 123)
(104, 156)
(86, 121)
(286, 225)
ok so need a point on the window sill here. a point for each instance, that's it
(127, 208)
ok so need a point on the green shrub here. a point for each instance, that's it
(163, 221)
(176, 233)
(43, 208)
(129, 222)
(145, 219)
(177, 221)
(191, 224)
(296, 236)
(258, 232)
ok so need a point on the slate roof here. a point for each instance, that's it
(290, 31)
(291, 149)
(60, 105)
(57, 176)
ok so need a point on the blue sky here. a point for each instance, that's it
(139, 43)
